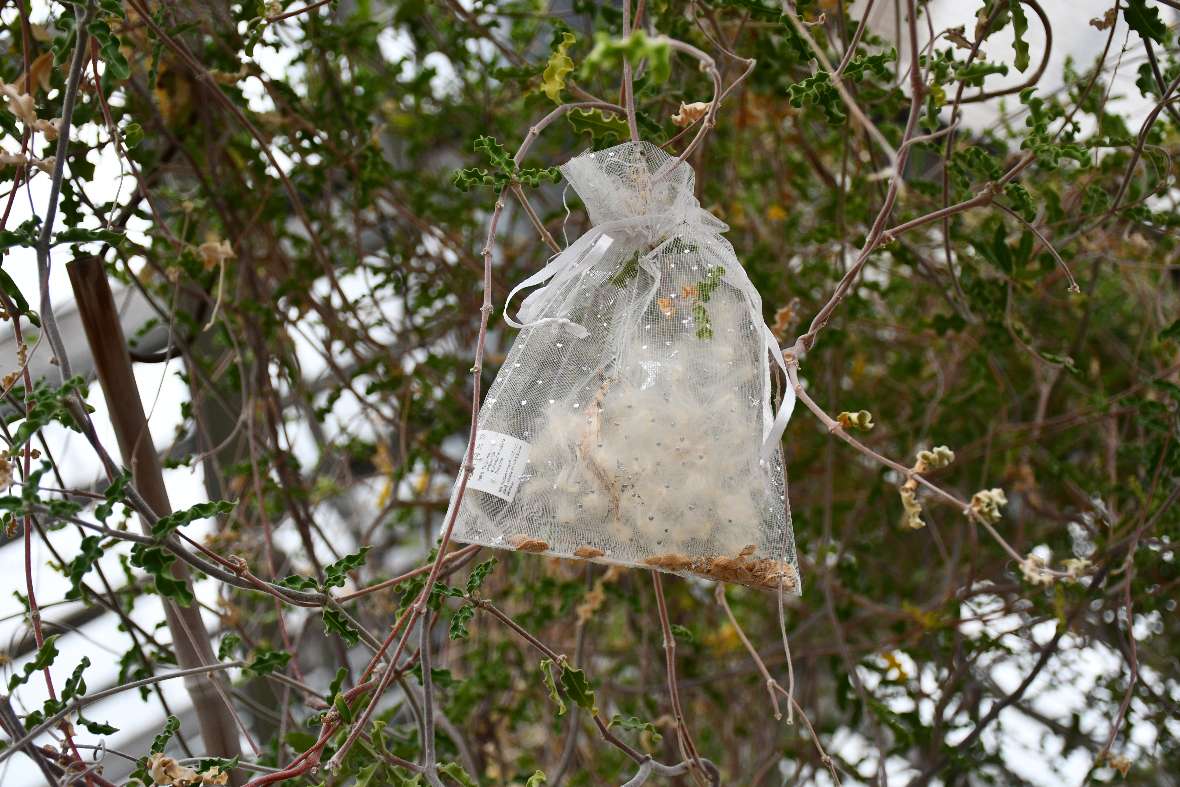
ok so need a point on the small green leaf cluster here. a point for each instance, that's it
(504, 170)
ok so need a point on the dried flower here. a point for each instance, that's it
(1119, 763)
(1036, 571)
(690, 113)
(165, 770)
(987, 504)
(21, 160)
(912, 518)
(785, 318)
(50, 128)
(214, 776)
(38, 74)
(1107, 20)
(957, 36)
(19, 103)
(861, 419)
(1076, 568)
(935, 459)
(215, 252)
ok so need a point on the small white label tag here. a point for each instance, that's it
(499, 463)
(596, 252)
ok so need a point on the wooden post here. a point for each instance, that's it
(190, 638)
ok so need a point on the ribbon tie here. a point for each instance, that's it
(686, 219)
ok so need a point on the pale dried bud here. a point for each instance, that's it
(958, 37)
(50, 128)
(690, 113)
(936, 458)
(861, 419)
(19, 103)
(215, 252)
(1036, 570)
(912, 517)
(1107, 20)
(784, 318)
(1076, 568)
(165, 770)
(1119, 763)
(214, 776)
(987, 504)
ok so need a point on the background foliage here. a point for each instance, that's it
(303, 192)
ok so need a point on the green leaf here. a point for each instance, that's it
(1145, 20)
(217, 764)
(603, 128)
(75, 685)
(336, 574)
(298, 582)
(80, 235)
(299, 740)
(171, 727)
(96, 727)
(48, 405)
(818, 90)
(537, 779)
(229, 644)
(634, 724)
(337, 682)
(1171, 332)
(158, 562)
(459, 621)
(709, 285)
(571, 683)
(456, 772)
(165, 525)
(341, 706)
(24, 235)
(18, 299)
(89, 551)
(132, 134)
(1019, 30)
(551, 685)
(478, 574)
(336, 623)
(116, 492)
(364, 776)
(974, 73)
(608, 54)
(504, 169)
(577, 687)
(558, 68)
(440, 593)
(266, 661)
(683, 633)
(41, 660)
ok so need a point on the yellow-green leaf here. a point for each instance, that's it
(558, 68)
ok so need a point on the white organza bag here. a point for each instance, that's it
(632, 420)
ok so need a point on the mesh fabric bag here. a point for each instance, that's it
(632, 420)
